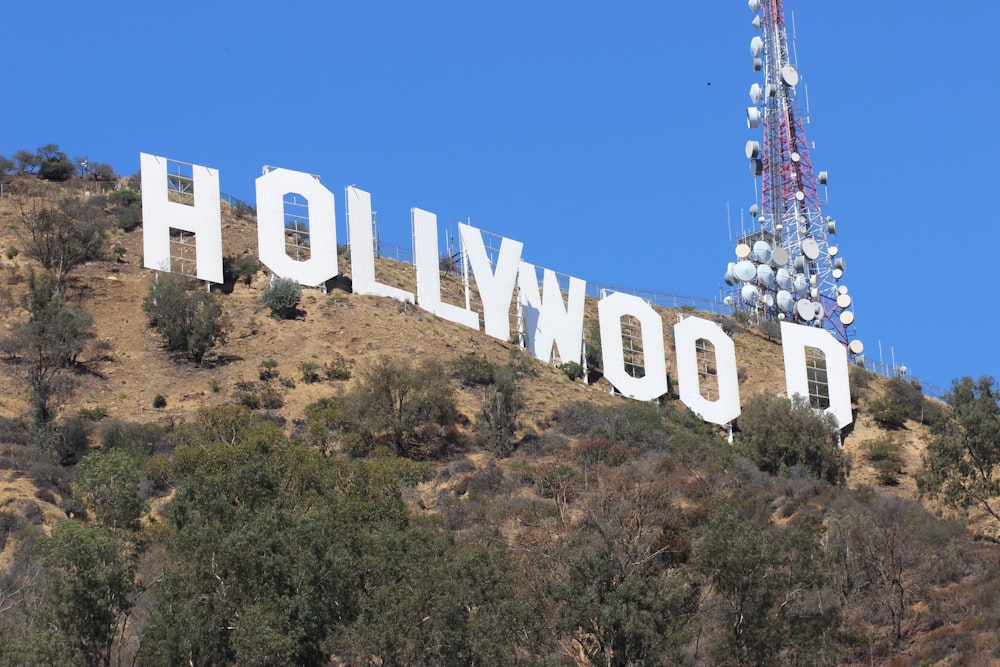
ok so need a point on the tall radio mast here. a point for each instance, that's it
(788, 265)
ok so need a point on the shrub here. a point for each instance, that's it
(310, 371)
(190, 322)
(94, 414)
(497, 420)
(338, 368)
(572, 370)
(268, 369)
(886, 458)
(777, 434)
(282, 296)
(471, 369)
(159, 401)
(890, 415)
(245, 267)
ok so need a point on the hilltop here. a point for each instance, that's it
(583, 460)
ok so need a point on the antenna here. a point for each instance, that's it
(788, 265)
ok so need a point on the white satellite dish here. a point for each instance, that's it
(756, 167)
(756, 45)
(743, 251)
(844, 300)
(795, 157)
(750, 294)
(800, 284)
(839, 263)
(822, 177)
(779, 256)
(838, 274)
(846, 318)
(800, 196)
(842, 289)
(745, 271)
(756, 93)
(820, 312)
(762, 251)
(856, 346)
(785, 301)
(758, 64)
(754, 210)
(799, 263)
(729, 276)
(768, 300)
(754, 5)
(789, 75)
(831, 225)
(752, 149)
(783, 278)
(756, 22)
(753, 117)
(765, 275)
(728, 301)
(832, 251)
(813, 292)
(805, 310)
(810, 248)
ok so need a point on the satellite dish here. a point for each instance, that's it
(820, 312)
(783, 278)
(758, 64)
(839, 263)
(743, 251)
(754, 5)
(799, 263)
(831, 225)
(756, 22)
(750, 294)
(842, 289)
(768, 300)
(805, 310)
(753, 149)
(846, 318)
(779, 256)
(800, 196)
(844, 300)
(810, 248)
(756, 167)
(730, 276)
(754, 210)
(728, 301)
(765, 275)
(756, 93)
(789, 75)
(756, 45)
(856, 346)
(745, 271)
(753, 117)
(813, 292)
(762, 251)
(838, 274)
(822, 177)
(795, 157)
(800, 284)
(785, 301)
(832, 251)
(771, 90)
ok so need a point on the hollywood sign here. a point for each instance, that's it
(551, 324)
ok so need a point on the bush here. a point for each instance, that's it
(776, 434)
(886, 458)
(497, 420)
(159, 401)
(470, 369)
(310, 371)
(282, 296)
(190, 322)
(572, 370)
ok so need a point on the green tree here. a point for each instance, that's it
(90, 593)
(962, 464)
(497, 420)
(54, 165)
(188, 321)
(108, 484)
(26, 161)
(48, 343)
(63, 238)
(282, 296)
(776, 434)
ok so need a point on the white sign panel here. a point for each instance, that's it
(686, 334)
(495, 287)
(361, 235)
(611, 310)
(794, 340)
(548, 320)
(425, 256)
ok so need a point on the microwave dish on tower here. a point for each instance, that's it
(788, 264)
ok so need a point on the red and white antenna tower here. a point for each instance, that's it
(788, 265)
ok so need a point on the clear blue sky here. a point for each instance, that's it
(586, 130)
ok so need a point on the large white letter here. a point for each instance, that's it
(549, 321)
(271, 190)
(202, 217)
(362, 240)
(794, 340)
(495, 289)
(425, 256)
(686, 334)
(653, 384)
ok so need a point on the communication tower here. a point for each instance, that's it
(788, 265)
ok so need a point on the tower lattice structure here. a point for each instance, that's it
(788, 265)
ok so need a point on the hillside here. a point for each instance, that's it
(586, 466)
